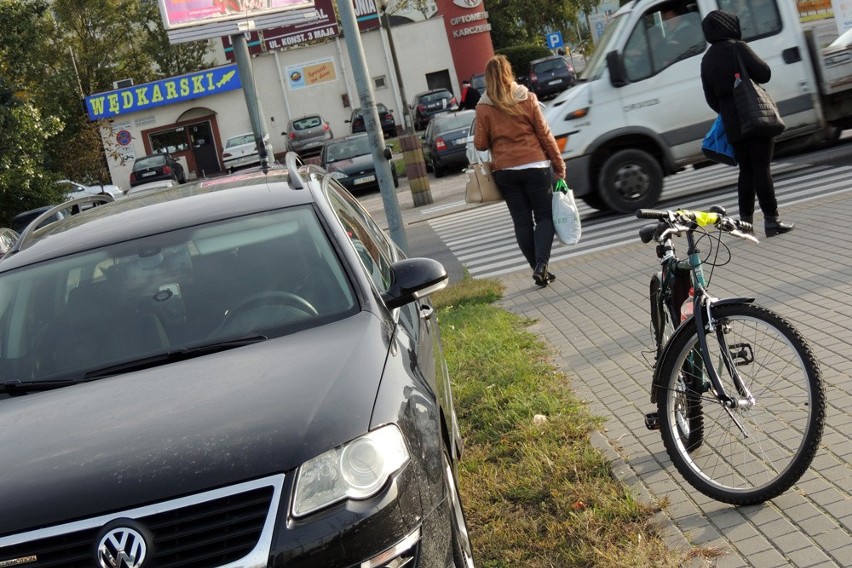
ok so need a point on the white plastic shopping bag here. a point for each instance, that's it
(566, 216)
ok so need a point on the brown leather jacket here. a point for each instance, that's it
(516, 140)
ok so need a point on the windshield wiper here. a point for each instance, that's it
(15, 387)
(172, 356)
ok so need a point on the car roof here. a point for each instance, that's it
(204, 201)
(548, 58)
(432, 91)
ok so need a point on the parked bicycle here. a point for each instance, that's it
(740, 399)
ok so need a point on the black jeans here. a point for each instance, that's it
(528, 194)
(754, 156)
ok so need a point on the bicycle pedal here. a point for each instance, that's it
(652, 421)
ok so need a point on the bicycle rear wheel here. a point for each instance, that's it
(756, 451)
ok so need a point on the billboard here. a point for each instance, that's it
(192, 20)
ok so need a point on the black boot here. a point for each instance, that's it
(540, 274)
(773, 226)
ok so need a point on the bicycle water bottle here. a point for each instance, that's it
(686, 308)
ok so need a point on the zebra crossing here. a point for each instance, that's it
(483, 239)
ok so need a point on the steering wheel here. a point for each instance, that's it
(259, 310)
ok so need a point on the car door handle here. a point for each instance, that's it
(426, 312)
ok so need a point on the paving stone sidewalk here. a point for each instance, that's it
(595, 317)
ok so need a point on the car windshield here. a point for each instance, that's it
(346, 149)
(307, 122)
(432, 97)
(264, 275)
(239, 140)
(149, 162)
(550, 65)
(454, 121)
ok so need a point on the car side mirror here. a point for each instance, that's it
(387, 153)
(616, 69)
(414, 278)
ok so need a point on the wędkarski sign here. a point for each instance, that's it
(164, 92)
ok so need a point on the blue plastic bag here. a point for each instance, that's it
(716, 146)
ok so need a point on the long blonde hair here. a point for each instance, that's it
(499, 84)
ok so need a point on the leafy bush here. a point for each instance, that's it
(521, 55)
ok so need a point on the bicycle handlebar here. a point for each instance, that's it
(701, 218)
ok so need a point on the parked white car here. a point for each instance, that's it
(240, 151)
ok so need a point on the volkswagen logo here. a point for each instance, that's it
(122, 547)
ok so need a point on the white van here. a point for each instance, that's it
(639, 113)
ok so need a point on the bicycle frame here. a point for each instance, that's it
(703, 320)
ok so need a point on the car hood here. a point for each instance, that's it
(186, 427)
(352, 165)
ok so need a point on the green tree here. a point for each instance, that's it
(24, 182)
(513, 22)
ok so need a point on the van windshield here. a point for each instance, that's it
(595, 68)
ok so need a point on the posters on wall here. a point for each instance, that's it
(312, 73)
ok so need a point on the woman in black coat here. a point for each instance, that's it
(754, 154)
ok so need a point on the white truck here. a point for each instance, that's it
(639, 113)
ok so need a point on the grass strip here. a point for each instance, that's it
(536, 492)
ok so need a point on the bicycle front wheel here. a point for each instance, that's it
(760, 448)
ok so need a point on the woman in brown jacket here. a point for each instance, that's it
(524, 157)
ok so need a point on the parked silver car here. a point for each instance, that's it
(306, 135)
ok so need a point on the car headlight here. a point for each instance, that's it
(356, 470)
(337, 175)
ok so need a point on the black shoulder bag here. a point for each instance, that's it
(758, 113)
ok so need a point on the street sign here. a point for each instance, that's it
(554, 40)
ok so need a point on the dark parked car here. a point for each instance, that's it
(428, 104)
(156, 167)
(306, 135)
(21, 220)
(242, 371)
(444, 141)
(350, 161)
(386, 119)
(549, 76)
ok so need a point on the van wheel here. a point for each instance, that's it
(630, 180)
(594, 201)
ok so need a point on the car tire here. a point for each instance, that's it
(437, 168)
(462, 548)
(629, 180)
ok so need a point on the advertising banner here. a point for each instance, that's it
(164, 92)
(183, 13)
(310, 74)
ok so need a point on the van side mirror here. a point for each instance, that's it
(616, 69)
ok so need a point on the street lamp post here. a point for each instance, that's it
(415, 165)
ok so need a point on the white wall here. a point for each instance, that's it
(421, 47)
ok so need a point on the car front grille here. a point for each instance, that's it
(216, 528)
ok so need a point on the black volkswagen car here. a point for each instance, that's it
(350, 161)
(429, 103)
(242, 371)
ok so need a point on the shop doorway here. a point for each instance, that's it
(204, 149)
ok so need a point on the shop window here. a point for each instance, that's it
(171, 141)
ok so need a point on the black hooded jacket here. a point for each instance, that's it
(719, 64)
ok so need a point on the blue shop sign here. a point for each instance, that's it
(164, 92)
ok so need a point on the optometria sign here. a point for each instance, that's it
(163, 92)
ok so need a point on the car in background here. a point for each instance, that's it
(155, 167)
(427, 104)
(76, 189)
(385, 118)
(837, 61)
(349, 160)
(8, 238)
(240, 151)
(284, 398)
(306, 135)
(444, 141)
(551, 75)
(478, 82)
(22, 220)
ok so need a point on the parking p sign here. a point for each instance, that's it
(554, 40)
